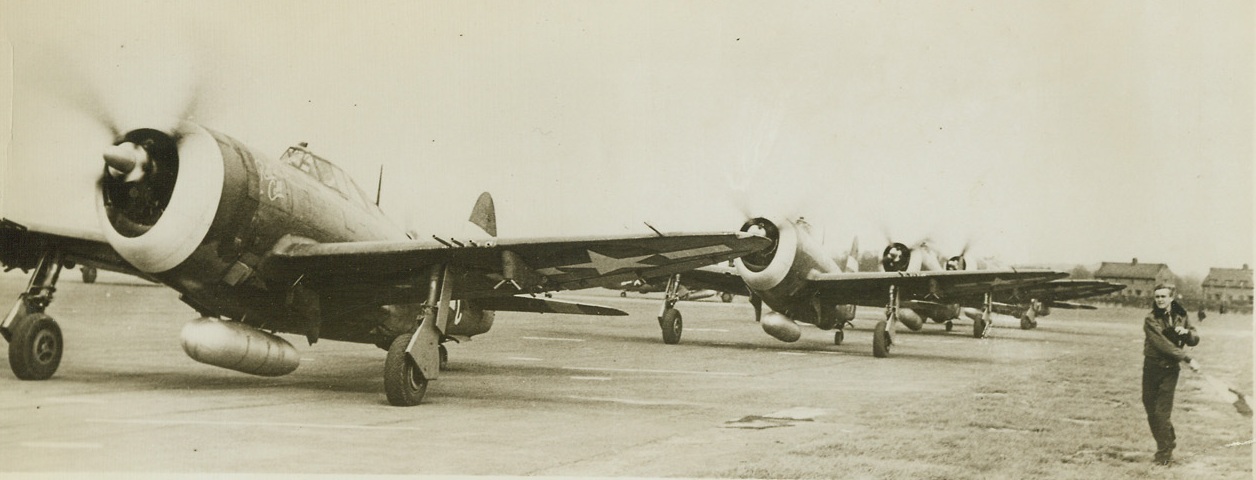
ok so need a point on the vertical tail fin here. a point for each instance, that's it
(484, 214)
(852, 258)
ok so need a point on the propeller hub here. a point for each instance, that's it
(127, 161)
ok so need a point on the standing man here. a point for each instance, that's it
(1168, 329)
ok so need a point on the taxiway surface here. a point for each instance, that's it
(538, 395)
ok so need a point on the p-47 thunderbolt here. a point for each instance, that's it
(1027, 302)
(256, 246)
(800, 283)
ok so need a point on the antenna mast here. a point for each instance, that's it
(379, 187)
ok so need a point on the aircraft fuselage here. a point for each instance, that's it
(213, 259)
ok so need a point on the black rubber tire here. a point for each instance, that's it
(89, 274)
(838, 336)
(672, 325)
(403, 382)
(623, 294)
(881, 340)
(1028, 323)
(950, 325)
(726, 297)
(979, 328)
(36, 346)
(444, 358)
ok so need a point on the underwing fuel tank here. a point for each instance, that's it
(910, 318)
(781, 327)
(239, 347)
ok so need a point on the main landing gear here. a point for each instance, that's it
(416, 358)
(883, 333)
(981, 326)
(670, 321)
(35, 342)
(1029, 319)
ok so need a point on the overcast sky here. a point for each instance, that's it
(1062, 132)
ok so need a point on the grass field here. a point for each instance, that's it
(1076, 414)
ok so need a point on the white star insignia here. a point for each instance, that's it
(604, 264)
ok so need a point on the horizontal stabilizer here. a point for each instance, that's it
(544, 305)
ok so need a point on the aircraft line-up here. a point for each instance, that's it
(258, 246)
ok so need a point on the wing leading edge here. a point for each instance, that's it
(870, 288)
(505, 267)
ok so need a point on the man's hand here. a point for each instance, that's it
(1181, 330)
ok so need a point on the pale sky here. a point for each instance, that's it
(1038, 132)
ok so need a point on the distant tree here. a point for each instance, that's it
(1081, 272)
(1191, 288)
(869, 261)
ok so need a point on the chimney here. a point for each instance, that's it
(1245, 266)
(1134, 261)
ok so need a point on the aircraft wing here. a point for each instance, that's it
(502, 268)
(544, 305)
(872, 288)
(721, 279)
(21, 246)
(1055, 293)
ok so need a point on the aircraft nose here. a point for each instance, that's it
(126, 160)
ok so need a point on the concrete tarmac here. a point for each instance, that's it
(538, 395)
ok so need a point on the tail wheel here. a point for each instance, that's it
(623, 294)
(404, 383)
(89, 274)
(979, 328)
(1028, 323)
(726, 297)
(950, 325)
(838, 336)
(881, 340)
(672, 326)
(35, 347)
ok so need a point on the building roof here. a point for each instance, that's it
(1229, 277)
(1134, 270)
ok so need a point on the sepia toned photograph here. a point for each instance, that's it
(646, 239)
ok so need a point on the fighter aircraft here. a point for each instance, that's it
(1026, 302)
(800, 283)
(257, 246)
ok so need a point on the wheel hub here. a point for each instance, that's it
(45, 347)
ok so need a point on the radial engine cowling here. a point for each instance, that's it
(159, 193)
(767, 268)
(239, 347)
(781, 327)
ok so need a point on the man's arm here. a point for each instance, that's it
(1191, 337)
(1162, 344)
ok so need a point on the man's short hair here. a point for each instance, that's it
(1166, 286)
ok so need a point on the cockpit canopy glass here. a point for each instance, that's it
(325, 172)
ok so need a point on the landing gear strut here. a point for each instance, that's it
(415, 359)
(883, 334)
(981, 327)
(670, 321)
(35, 342)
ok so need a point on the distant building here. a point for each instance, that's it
(1229, 286)
(1139, 278)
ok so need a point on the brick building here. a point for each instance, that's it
(1231, 287)
(1139, 278)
